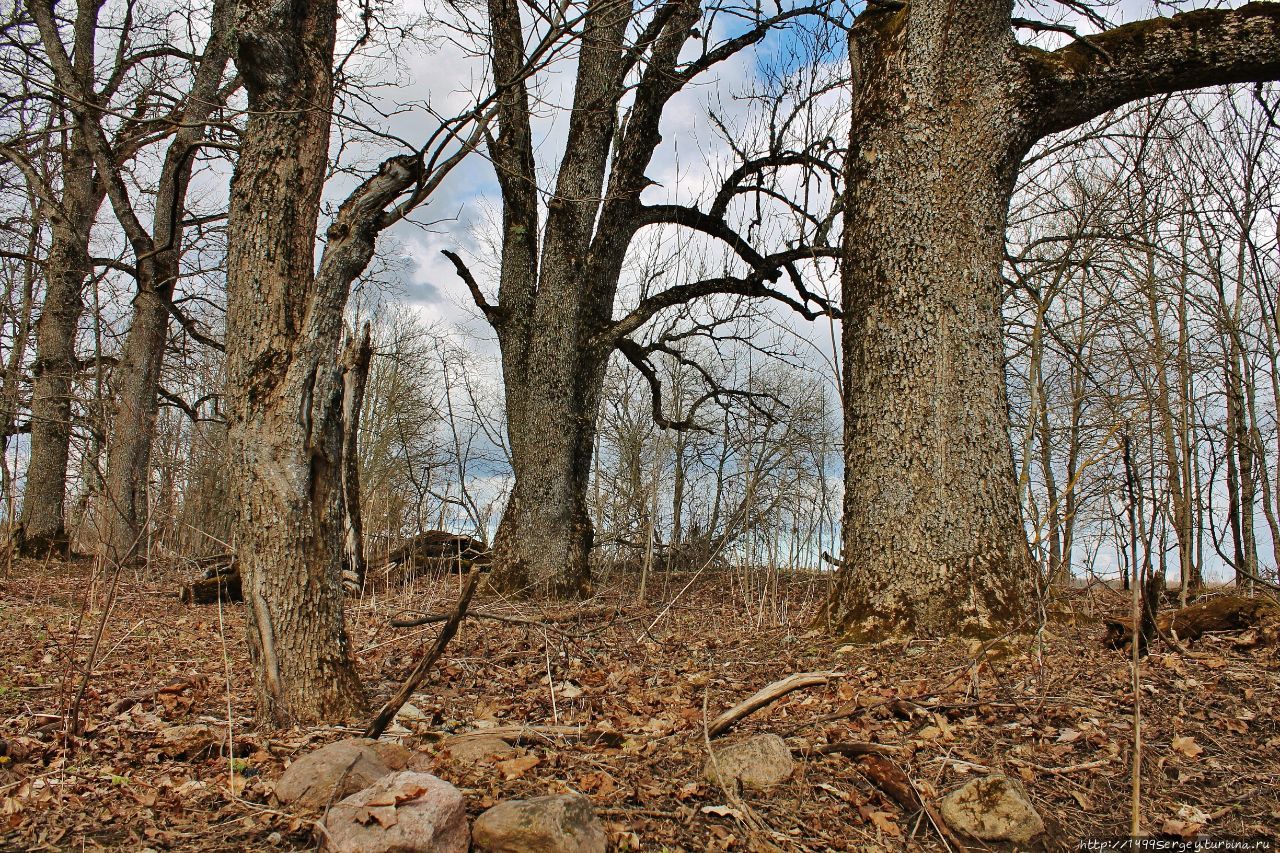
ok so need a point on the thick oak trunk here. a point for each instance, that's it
(945, 105)
(933, 537)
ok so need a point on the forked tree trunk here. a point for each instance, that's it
(136, 379)
(284, 388)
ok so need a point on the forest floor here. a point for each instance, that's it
(1053, 710)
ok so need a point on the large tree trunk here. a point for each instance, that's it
(945, 105)
(136, 380)
(42, 524)
(284, 388)
(933, 538)
(545, 536)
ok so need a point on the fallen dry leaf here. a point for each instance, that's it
(517, 767)
(1186, 745)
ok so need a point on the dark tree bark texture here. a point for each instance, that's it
(42, 522)
(559, 276)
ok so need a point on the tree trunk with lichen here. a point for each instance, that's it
(544, 539)
(933, 538)
(946, 104)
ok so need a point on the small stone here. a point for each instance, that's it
(759, 762)
(411, 713)
(992, 808)
(401, 812)
(564, 823)
(322, 777)
(187, 741)
(471, 750)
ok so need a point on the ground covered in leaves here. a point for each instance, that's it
(1052, 709)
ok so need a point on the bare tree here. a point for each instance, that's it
(554, 313)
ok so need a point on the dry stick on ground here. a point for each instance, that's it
(767, 696)
(542, 734)
(549, 619)
(396, 702)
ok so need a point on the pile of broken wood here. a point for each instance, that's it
(430, 553)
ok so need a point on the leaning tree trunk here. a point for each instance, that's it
(284, 386)
(933, 537)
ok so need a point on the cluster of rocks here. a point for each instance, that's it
(378, 798)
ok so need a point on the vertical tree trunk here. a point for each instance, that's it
(42, 524)
(356, 357)
(545, 536)
(933, 537)
(284, 388)
(11, 393)
(135, 381)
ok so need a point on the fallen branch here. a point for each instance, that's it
(534, 734)
(549, 619)
(853, 749)
(396, 702)
(1209, 615)
(767, 696)
(1062, 771)
(124, 703)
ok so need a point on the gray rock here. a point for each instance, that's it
(759, 762)
(405, 812)
(565, 823)
(194, 741)
(325, 776)
(470, 750)
(992, 808)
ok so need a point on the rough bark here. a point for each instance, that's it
(946, 103)
(356, 357)
(42, 523)
(284, 389)
(136, 379)
(556, 294)
(933, 537)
